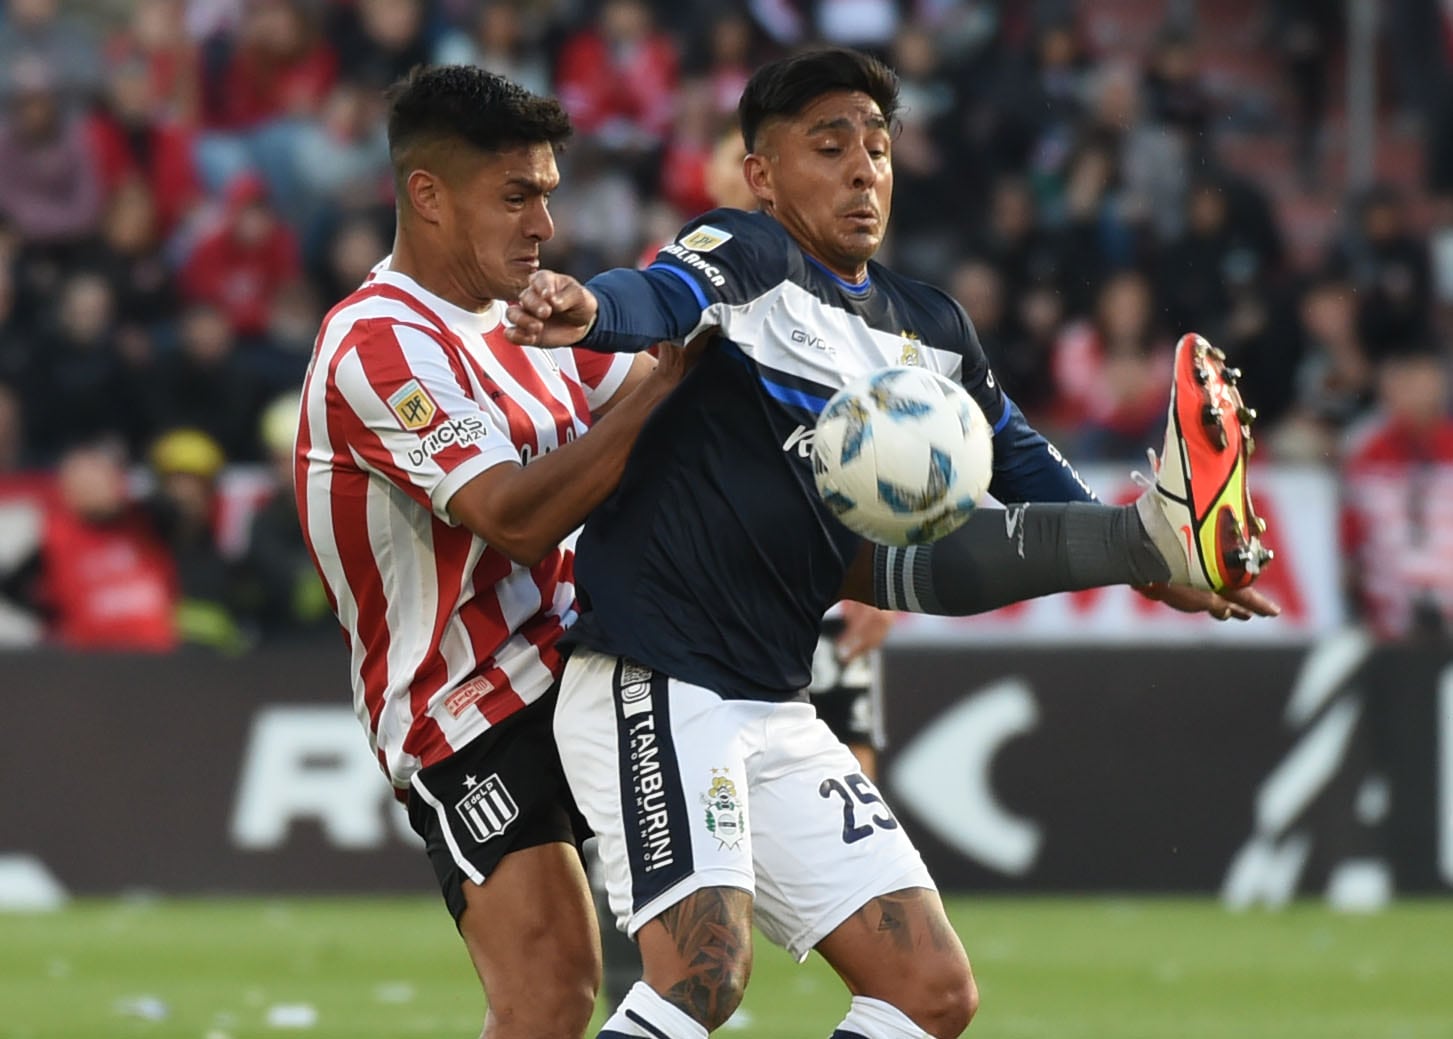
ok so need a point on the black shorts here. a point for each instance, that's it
(502, 792)
(845, 695)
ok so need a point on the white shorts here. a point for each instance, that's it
(686, 790)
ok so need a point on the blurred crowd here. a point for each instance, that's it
(187, 185)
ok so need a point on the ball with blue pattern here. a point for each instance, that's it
(902, 456)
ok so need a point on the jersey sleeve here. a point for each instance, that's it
(601, 375)
(727, 256)
(1027, 467)
(957, 337)
(405, 416)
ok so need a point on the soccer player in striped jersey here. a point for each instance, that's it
(718, 798)
(441, 471)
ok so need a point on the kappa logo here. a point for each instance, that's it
(412, 405)
(487, 809)
(706, 238)
(725, 819)
(802, 439)
(459, 432)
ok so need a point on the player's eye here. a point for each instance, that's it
(830, 149)
(515, 200)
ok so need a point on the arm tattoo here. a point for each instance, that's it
(712, 930)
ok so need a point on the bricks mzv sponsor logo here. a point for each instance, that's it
(458, 432)
(487, 809)
(692, 259)
(648, 785)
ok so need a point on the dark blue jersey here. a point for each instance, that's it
(715, 559)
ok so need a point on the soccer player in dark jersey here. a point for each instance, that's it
(844, 688)
(718, 797)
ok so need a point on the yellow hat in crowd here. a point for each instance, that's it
(189, 451)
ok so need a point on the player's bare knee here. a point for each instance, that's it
(551, 1011)
(944, 1001)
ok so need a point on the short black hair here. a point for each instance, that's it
(439, 104)
(786, 87)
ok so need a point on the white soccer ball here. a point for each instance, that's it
(902, 456)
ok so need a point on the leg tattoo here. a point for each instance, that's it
(711, 930)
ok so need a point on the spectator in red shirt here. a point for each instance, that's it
(686, 160)
(1398, 504)
(279, 68)
(157, 38)
(1111, 375)
(618, 79)
(105, 580)
(276, 78)
(240, 265)
(132, 141)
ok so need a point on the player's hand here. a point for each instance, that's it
(554, 310)
(864, 629)
(1237, 603)
(674, 361)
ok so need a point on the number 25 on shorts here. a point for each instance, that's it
(856, 790)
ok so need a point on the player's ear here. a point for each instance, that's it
(425, 193)
(758, 171)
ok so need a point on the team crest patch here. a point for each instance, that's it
(724, 817)
(487, 808)
(911, 354)
(412, 405)
(706, 238)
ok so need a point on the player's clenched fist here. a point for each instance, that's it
(554, 310)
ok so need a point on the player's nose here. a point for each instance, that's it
(539, 226)
(862, 170)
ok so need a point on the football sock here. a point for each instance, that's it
(1004, 556)
(645, 1015)
(874, 1019)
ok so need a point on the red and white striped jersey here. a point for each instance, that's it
(407, 398)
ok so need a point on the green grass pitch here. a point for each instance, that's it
(1061, 968)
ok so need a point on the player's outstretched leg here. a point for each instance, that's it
(1199, 510)
(697, 956)
(905, 967)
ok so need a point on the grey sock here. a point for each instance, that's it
(1025, 551)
